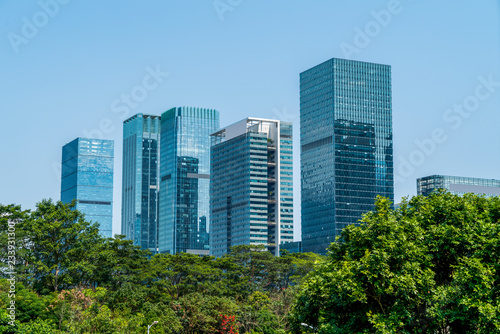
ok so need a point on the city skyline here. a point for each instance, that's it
(444, 56)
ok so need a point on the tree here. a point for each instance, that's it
(205, 314)
(37, 326)
(71, 280)
(58, 248)
(252, 268)
(121, 262)
(14, 243)
(431, 266)
(51, 246)
(184, 273)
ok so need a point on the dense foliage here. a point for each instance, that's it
(431, 266)
(68, 279)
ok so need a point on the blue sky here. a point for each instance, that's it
(66, 65)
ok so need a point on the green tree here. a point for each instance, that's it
(14, 241)
(431, 266)
(37, 326)
(71, 280)
(234, 279)
(255, 315)
(184, 273)
(201, 314)
(55, 241)
(28, 304)
(251, 268)
(120, 262)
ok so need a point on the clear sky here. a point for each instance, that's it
(67, 68)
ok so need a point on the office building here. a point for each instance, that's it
(87, 177)
(185, 179)
(140, 180)
(346, 146)
(251, 186)
(458, 185)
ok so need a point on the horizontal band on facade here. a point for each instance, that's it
(317, 143)
(93, 202)
(198, 176)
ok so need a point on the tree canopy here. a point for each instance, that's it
(430, 266)
(69, 279)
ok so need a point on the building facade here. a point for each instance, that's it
(292, 247)
(185, 179)
(140, 180)
(251, 185)
(346, 146)
(458, 185)
(87, 177)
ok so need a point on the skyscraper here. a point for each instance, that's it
(346, 146)
(185, 179)
(251, 186)
(87, 177)
(140, 186)
(458, 185)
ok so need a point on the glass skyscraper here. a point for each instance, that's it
(458, 185)
(87, 177)
(346, 146)
(251, 185)
(185, 179)
(140, 182)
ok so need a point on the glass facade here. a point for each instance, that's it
(458, 185)
(185, 179)
(140, 180)
(87, 177)
(346, 146)
(292, 247)
(251, 186)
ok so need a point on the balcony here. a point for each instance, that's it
(270, 144)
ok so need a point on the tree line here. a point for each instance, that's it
(430, 266)
(69, 279)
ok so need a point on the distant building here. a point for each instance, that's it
(87, 177)
(140, 180)
(458, 185)
(346, 146)
(185, 179)
(251, 185)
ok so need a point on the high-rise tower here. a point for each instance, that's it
(251, 186)
(185, 179)
(346, 146)
(87, 177)
(140, 180)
